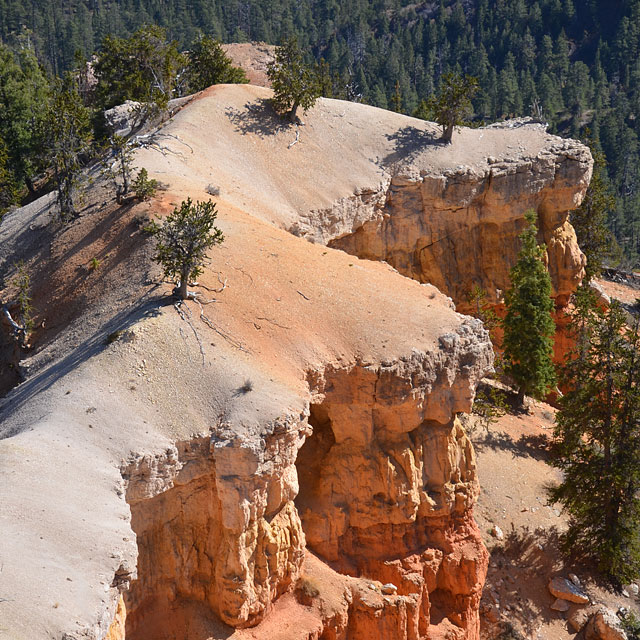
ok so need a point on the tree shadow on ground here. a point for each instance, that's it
(520, 569)
(527, 446)
(258, 118)
(409, 142)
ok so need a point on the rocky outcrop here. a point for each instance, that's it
(215, 523)
(458, 229)
(379, 480)
(388, 480)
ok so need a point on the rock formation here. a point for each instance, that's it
(267, 458)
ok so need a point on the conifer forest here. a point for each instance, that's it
(572, 64)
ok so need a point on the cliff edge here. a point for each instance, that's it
(264, 462)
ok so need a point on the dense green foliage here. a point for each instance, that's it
(209, 64)
(183, 239)
(450, 107)
(528, 325)
(67, 138)
(295, 83)
(144, 67)
(574, 64)
(24, 94)
(597, 439)
(590, 220)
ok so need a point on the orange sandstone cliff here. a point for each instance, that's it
(283, 458)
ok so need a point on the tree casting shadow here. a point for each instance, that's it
(409, 142)
(259, 118)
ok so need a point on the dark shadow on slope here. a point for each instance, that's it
(532, 446)
(148, 305)
(531, 554)
(258, 118)
(409, 142)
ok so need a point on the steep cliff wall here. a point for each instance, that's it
(458, 229)
(380, 482)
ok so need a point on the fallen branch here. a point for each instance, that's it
(178, 307)
(296, 140)
(273, 322)
(224, 286)
(232, 341)
(14, 325)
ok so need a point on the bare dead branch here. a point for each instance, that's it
(187, 318)
(230, 339)
(296, 140)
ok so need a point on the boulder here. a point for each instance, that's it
(565, 590)
(560, 605)
(604, 625)
(579, 618)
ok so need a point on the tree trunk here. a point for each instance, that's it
(292, 113)
(30, 187)
(184, 283)
(520, 399)
(447, 133)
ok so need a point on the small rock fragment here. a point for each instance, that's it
(574, 578)
(389, 588)
(496, 532)
(560, 605)
(565, 590)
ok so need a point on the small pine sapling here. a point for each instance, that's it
(143, 187)
(183, 241)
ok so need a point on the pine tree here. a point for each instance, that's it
(8, 187)
(452, 105)
(209, 64)
(68, 136)
(589, 220)
(23, 101)
(528, 325)
(597, 439)
(184, 239)
(144, 67)
(294, 83)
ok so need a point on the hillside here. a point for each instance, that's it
(573, 64)
(189, 464)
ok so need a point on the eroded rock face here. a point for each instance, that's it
(383, 485)
(459, 229)
(388, 481)
(216, 523)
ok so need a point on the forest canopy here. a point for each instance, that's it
(573, 64)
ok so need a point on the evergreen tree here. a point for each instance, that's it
(145, 67)
(452, 106)
(589, 220)
(294, 82)
(209, 64)
(8, 187)
(597, 439)
(528, 325)
(68, 137)
(24, 91)
(184, 239)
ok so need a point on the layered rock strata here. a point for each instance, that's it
(383, 478)
(458, 229)
(215, 523)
